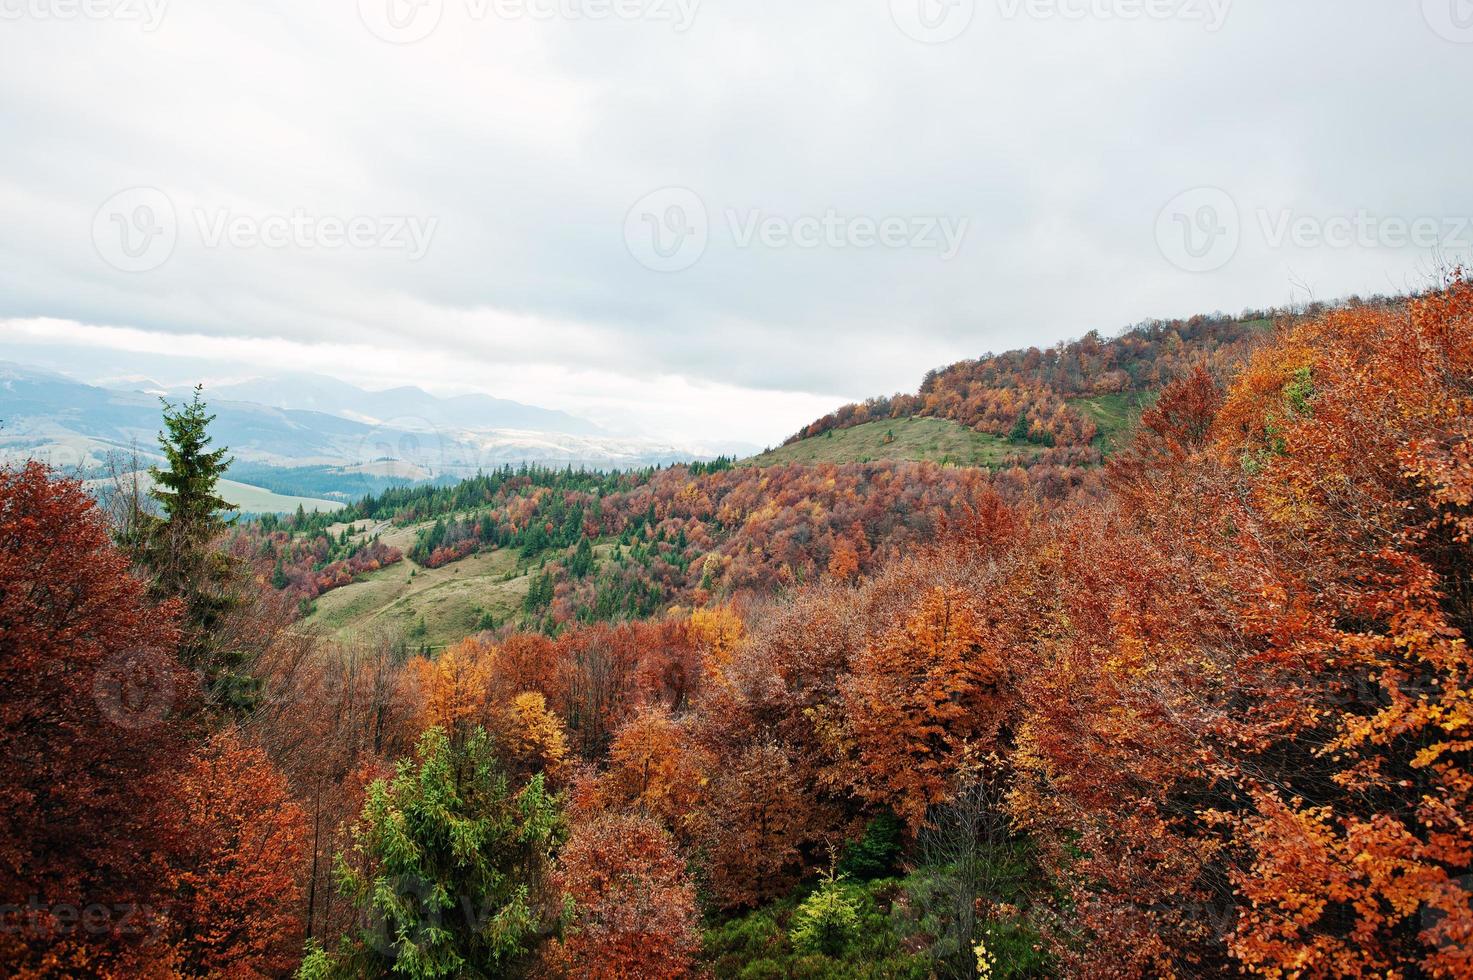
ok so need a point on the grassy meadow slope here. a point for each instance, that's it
(251, 499)
(431, 607)
(900, 440)
(1114, 415)
(258, 500)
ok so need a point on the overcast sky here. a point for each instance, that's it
(707, 219)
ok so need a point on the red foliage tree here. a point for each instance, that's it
(635, 915)
(90, 696)
(760, 827)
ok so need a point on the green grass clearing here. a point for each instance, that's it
(432, 607)
(1115, 415)
(899, 440)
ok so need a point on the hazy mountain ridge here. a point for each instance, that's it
(476, 412)
(400, 435)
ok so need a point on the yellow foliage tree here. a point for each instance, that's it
(456, 689)
(717, 632)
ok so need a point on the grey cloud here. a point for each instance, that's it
(1059, 140)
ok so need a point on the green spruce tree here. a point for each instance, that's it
(582, 561)
(449, 867)
(186, 490)
(180, 548)
(1021, 428)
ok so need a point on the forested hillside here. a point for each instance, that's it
(1202, 707)
(629, 545)
(1078, 394)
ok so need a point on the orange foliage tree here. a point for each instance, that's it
(656, 769)
(240, 840)
(530, 737)
(922, 698)
(1360, 468)
(455, 689)
(716, 633)
(1249, 727)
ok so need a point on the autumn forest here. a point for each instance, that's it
(1176, 685)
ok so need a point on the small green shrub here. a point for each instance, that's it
(827, 921)
(761, 945)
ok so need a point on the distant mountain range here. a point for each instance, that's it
(405, 407)
(310, 435)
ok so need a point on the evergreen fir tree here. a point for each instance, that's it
(450, 866)
(179, 549)
(186, 490)
(582, 561)
(1020, 428)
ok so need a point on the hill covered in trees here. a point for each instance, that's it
(591, 546)
(862, 486)
(1082, 394)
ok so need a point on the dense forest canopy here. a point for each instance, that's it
(1199, 707)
